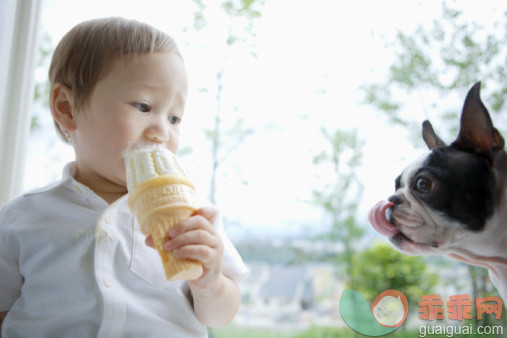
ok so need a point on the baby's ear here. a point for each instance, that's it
(62, 106)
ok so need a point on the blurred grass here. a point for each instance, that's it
(236, 332)
(312, 332)
(232, 331)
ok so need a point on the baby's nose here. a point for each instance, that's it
(157, 134)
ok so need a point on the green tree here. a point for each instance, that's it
(241, 16)
(442, 62)
(380, 268)
(341, 192)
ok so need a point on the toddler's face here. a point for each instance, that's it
(140, 101)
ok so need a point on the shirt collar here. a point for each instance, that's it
(69, 171)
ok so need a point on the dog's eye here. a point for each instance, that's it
(423, 185)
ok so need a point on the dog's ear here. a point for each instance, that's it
(430, 137)
(476, 132)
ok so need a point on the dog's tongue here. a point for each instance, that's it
(378, 220)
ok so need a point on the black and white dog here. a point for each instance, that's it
(452, 200)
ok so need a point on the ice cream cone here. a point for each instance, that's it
(159, 203)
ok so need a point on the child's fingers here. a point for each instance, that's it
(208, 212)
(192, 223)
(204, 254)
(198, 236)
(201, 219)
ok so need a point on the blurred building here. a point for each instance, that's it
(289, 296)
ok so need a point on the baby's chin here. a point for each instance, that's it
(119, 181)
(122, 182)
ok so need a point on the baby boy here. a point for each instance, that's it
(73, 261)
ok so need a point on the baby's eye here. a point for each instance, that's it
(142, 107)
(174, 119)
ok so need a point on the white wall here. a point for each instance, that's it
(19, 36)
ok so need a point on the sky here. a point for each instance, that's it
(311, 59)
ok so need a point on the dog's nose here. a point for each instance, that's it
(395, 199)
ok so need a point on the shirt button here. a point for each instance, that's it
(108, 218)
(108, 282)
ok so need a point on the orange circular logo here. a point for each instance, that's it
(390, 308)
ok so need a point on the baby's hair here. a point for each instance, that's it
(86, 52)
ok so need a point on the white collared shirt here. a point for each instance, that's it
(71, 265)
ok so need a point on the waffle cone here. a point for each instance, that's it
(158, 204)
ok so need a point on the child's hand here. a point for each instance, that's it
(196, 238)
(216, 297)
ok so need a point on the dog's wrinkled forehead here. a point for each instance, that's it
(462, 185)
(403, 179)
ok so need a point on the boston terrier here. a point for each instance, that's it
(452, 200)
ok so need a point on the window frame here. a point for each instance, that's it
(19, 39)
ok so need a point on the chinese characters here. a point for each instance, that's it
(459, 307)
